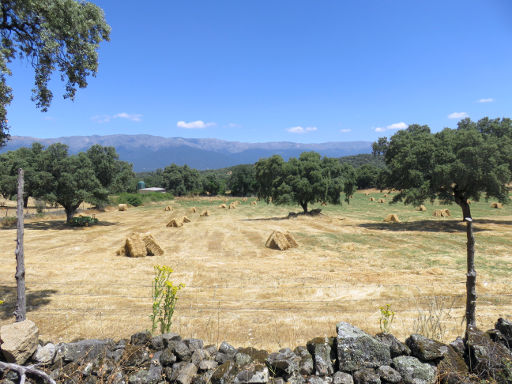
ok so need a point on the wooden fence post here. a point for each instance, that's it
(21, 305)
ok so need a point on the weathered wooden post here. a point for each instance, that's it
(21, 305)
(470, 276)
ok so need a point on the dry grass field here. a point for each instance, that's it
(348, 264)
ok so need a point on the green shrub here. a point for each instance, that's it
(8, 222)
(83, 221)
(134, 200)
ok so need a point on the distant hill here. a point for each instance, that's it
(148, 152)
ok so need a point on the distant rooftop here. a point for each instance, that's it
(152, 189)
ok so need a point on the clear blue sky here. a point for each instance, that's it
(273, 70)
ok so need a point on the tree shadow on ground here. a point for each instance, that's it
(35, 300)
(61, 224)
(290, 215)
(449, 226)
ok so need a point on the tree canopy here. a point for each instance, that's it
(454, 165)
(52, 35)
(181, 180)
(304, 180)
(242, 180)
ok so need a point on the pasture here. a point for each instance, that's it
(348, 264)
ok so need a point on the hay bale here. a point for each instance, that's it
(122, 207)
(152, 248)
(175, 223)
(441, 213)
(469, 202)
(254, 203)
(324, 204)
(392, 218)
(205, 213)
(232, 206)
(366, 194)
(168, 208)
(497, 205)
(280, 241)
(185, 219)
(382, 201)
(244, 199)
(134, 246)
(193, 210)
(385, 195)
(446, 212)
(421, 208)
(372, 199)
(222, 206)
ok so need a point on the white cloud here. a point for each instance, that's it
(299, 129)
(400, 125)
(457, 115)
(135, 117)
(489, 100)
(233, 125)
(380, 129)
(198, 124)
(345, 130)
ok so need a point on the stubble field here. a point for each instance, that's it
(348, 264)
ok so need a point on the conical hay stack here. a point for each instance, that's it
(446, 212)
(372, 198)
(133, 247)
(421, 208)
(441, 213)
(175, 223)
(122, 207)
(381, 201)
(222, 206)
(185, 219)
(386, 195)
(193, 209)
(152, 248)
(497, 205)
(168, 208)
(281, 241)
(205, 213)
(366, 194)
(232, 206)
(469, 201)
(254, 203)
(244, 199)
(323, 204)
(392, 218)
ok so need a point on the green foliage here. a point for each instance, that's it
(367, 176)
(181, 181)
(242, 181)
(212, 184)
(305, 180)
(151, 179)
(8, 222)
(134, 199)
(83, 221)
(137, 199)
(358, 161)
(386, 318)
(165, 296)
(61, 35)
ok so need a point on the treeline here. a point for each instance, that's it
(55, 176)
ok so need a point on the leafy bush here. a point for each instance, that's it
(83, 221)
(134, 200)
(8, 222)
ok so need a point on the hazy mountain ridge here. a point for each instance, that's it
(148, 152)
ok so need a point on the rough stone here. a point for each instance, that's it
(20, 341)
(458, 345)
(227, 349)
(157, 343)
(389, 375)
(256, 375)
(44, 354)
(505, 327)
(221, 358)
(185, 373)
(84, 350)
(306, 365)
(242, 359)
(316, 380)
(257, 355)
(320, 349)
(140, 338)
(167, 358)
(223, 373)
(425, 349)
(452, 368)
(153, 375)
(198, 356)
(414, 371)
(203, 378)
(207, 365)
(342, 378)
(283, 363)
(366, 376)
(135, 356)
(357, 350)
(396, 347)
(194, 344)
(169, 337)
(181, 350)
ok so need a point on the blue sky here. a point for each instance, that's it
(279, 70)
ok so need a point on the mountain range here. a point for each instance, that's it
(148, 152)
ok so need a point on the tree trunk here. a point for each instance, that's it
(304, 207)
(70, 211)
(470, 276)
(25, 201)
(21, 306)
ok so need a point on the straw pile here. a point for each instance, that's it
(421, 208)
(254, 203)
(324, 204)
(244, 199)
(441, 213)
(140, 245)
(385, 195)
(372, 198)
(497, 205)
(168, 208)
(392, 218)
(366, 194)
(205, 213)
(222, 206)
(280, 241)
(193, 210)
(175, 223)
(122, 207)
(382, 201)
(232, 206)
(469, 202)
(186, 219)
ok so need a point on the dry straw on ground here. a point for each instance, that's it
(185, 219)
(205, 213)
(122, 207)
(382, 201)
(175, 223)
(372, 198)
(441, 213)
(421, 208)
(232, 206)
(193, 209)
(140, 245)
(281, 241)
(497, 205)
(222, 206)
(392, 218)
(168, 208)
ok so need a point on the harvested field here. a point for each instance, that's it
(348, 264)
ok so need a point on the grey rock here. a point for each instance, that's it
(19, 341)
(212, 349)
(44, 355)
(256, 375)
(203, 378)
(366, 376)
(157, 343)
(115, 354)
(388, 374)
(320, 349)
(198, 356)
(458, 345)
(135, 356)
(425, 349)
(256, 355)
(207, 365)
(242, 359)
(194, 344)
(168, 337)
(316, 380)
(153, 375)
(228, 349)
(116, 378)
(221, 358)
(452, 368)
(185, 373)
(357, 350)
(223, 374)
(342, 378)
(306, 365)
(396, 347)
(296, 378)
(277, 380)
(283, 363)
(414, 371)
(181, 350)
(140, 338)
(505, 327)
(85, 350)
(167, 358)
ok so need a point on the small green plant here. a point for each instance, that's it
(40, 206)
(165, 296)
(386, 318)
(83, 221)
(8, 222)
